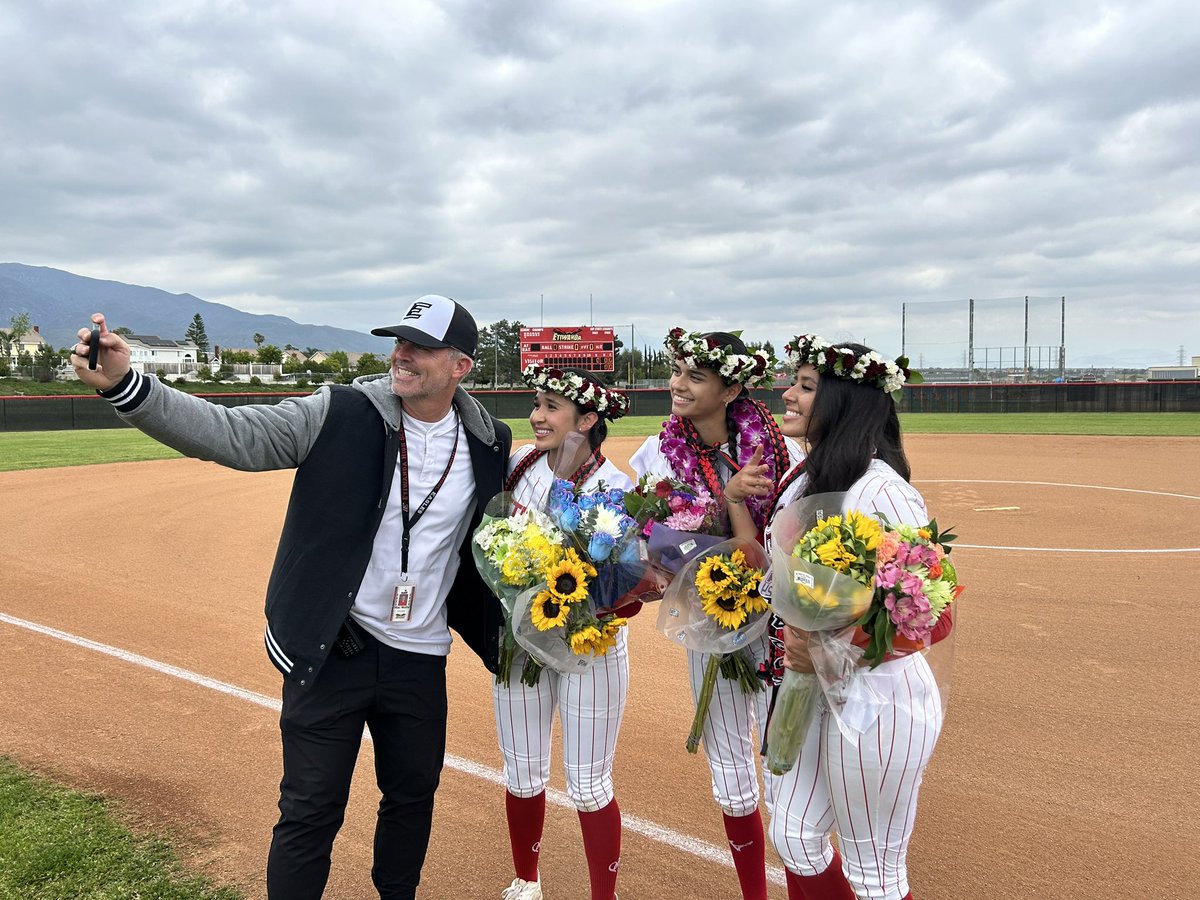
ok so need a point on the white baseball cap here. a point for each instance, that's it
(436, 321)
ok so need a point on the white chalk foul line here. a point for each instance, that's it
(1090, 487)
(655, 832)
(957, 546)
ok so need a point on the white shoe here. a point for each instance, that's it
(521, 889)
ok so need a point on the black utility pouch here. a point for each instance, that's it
(350, 639)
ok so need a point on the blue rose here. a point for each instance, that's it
(587, 501)
(568, 517)
(601, 546)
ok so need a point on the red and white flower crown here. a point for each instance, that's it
(587, 393)
(751, 369)
(841, 362)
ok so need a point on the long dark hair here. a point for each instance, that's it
(854, 423)
(598, 432)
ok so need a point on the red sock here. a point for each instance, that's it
(828, 885)
(602, 846)
(526, 818)
(746, 842)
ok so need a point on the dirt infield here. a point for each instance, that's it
(1066, 769)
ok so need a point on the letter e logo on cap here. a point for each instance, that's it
(414, 311)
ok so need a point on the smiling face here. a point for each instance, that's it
(425, 377)
(798, 404)
(554, 417)
(698, 393)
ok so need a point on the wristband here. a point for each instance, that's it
(741, 502)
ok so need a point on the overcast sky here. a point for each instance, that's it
(775, 167)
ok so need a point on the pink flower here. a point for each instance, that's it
(917, 628)
(886, 575)
(677, 502)
(685, 520)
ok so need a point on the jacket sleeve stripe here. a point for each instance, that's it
(128, 394)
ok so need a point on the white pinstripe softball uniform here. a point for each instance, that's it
(590, 704)
(733, 731)
(866, 793)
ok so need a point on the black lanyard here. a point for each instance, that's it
(410, 521)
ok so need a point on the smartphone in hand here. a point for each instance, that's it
(94, 347)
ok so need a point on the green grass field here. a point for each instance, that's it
(46, 449)
(57, 844)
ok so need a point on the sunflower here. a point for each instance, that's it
(727, 611)
(587, 640)
(737, 559)
(834, 555)
(865, 529)
(567, 578)
(612, 626)
(753, 600)
(715, 578)
(548, 611)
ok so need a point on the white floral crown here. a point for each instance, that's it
(751, 369)
(585, 392)
(841, 362)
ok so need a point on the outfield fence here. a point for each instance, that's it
(90, 411)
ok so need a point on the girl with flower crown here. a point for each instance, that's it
(715, 429)
(571, 410)
(843, 408)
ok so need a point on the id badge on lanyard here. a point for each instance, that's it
(405, 592)
(403, 596)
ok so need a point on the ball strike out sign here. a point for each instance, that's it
(585, 347)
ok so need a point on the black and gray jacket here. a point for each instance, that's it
(343, 443)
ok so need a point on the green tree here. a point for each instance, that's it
(370, 364)
(123, 330)
(237, 357)
(258, 339)
(498, 356)
(269, 353)
(18, 327)
(309, 351)
(45, 363)
(338, 361)
(198, 336)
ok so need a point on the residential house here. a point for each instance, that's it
(29, 343)
(149, 353)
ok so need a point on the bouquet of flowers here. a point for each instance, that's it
(914, 584)
(677, 520)
(513, 551)
(573, 612)
(713, 605)
(852, 581)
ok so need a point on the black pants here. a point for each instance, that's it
(401, 697)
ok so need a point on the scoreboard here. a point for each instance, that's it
(584, 347)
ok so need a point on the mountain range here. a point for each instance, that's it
(60, 303)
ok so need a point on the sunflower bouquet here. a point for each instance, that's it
(573, 614)
(713, 605)
(826, 567)
(513, 551)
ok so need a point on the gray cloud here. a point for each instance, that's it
(763, 167)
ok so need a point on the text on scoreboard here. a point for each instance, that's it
(584, 347)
